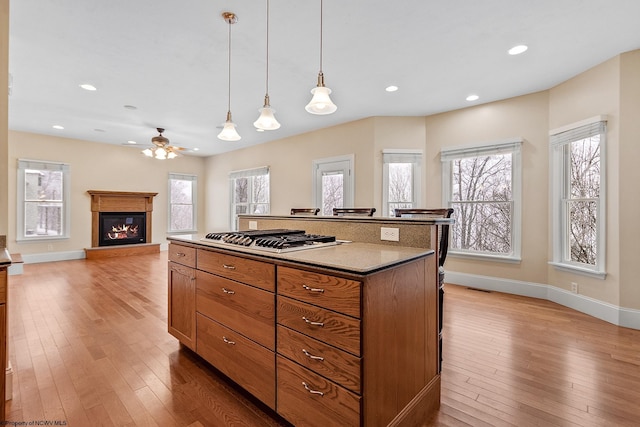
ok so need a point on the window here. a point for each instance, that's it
(482, 185)
(249, 193)
(401, 177)
(578, 207)
(182, 203)
(43, 198)
(333, 183)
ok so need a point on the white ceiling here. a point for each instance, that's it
(169, 59)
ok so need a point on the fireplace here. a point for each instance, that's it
(121, 224)
(122, 228)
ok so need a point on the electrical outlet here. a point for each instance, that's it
(253, 225)
(391, 234)
(574, 287)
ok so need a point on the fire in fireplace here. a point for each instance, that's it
(122, 228)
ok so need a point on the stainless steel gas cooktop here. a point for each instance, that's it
(275, 240)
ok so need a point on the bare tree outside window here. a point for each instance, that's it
(250, 195)
(482, 200)
(400, 186)
(332, 192)
(583, 198)
(43, 203)
(181, 204)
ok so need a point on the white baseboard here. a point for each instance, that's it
(65, 256)
(626, 317)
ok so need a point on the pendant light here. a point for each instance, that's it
(267, 120)
(321, 103)
(229, 132)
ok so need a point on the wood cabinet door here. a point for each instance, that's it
(182, 304)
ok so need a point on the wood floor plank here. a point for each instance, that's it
(89, 346)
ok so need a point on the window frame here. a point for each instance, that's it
(27, 164)
(343, 164)
(415, 157)
(194, 202)
(512, 146)
(559, 140)
(246, 173)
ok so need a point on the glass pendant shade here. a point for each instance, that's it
(229, 132)
(267, 120)
(321, 102)
(147, 152)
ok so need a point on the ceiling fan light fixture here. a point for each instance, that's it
(161, 149)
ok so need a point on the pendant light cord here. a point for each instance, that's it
(267, 83)
(320, 36)
(229, 88)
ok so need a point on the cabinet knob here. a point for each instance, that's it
(310, 390)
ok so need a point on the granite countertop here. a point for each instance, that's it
(351, 256)
(5, 258)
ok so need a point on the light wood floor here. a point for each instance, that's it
(89, 347)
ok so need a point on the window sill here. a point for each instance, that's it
(486, 257)
(579, 270)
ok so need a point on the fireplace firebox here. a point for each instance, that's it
(122, 228)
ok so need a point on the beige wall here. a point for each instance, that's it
(4, 115)
(522, 117)
(628, 179)
(96, 166)
(592, 93)
(291, 159)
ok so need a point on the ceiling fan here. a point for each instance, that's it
(161, 149)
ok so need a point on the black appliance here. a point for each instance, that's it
(274, 240)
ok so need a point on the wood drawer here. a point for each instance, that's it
(335, 406)
(251, 272)
(182, 255)
(336, 365)
(248, 364)
(335, 293)
(243, 308)
(332, 328)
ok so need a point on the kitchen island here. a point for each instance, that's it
(341, 335)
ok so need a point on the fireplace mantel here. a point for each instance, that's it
(119, 201)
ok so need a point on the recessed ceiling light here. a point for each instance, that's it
(58, 127)
(130, 107)
(517, 50)
(87, 86)
(131, 142)
(196, 149)
(99, 130)
(391, 88)
(259, 130)
(472, 97)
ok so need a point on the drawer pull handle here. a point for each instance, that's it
(306, 387)
(227, 291)
(311, 356)
(228, 341)
(181, 254)
(310, 289)
(228, 267)
(309, 322)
